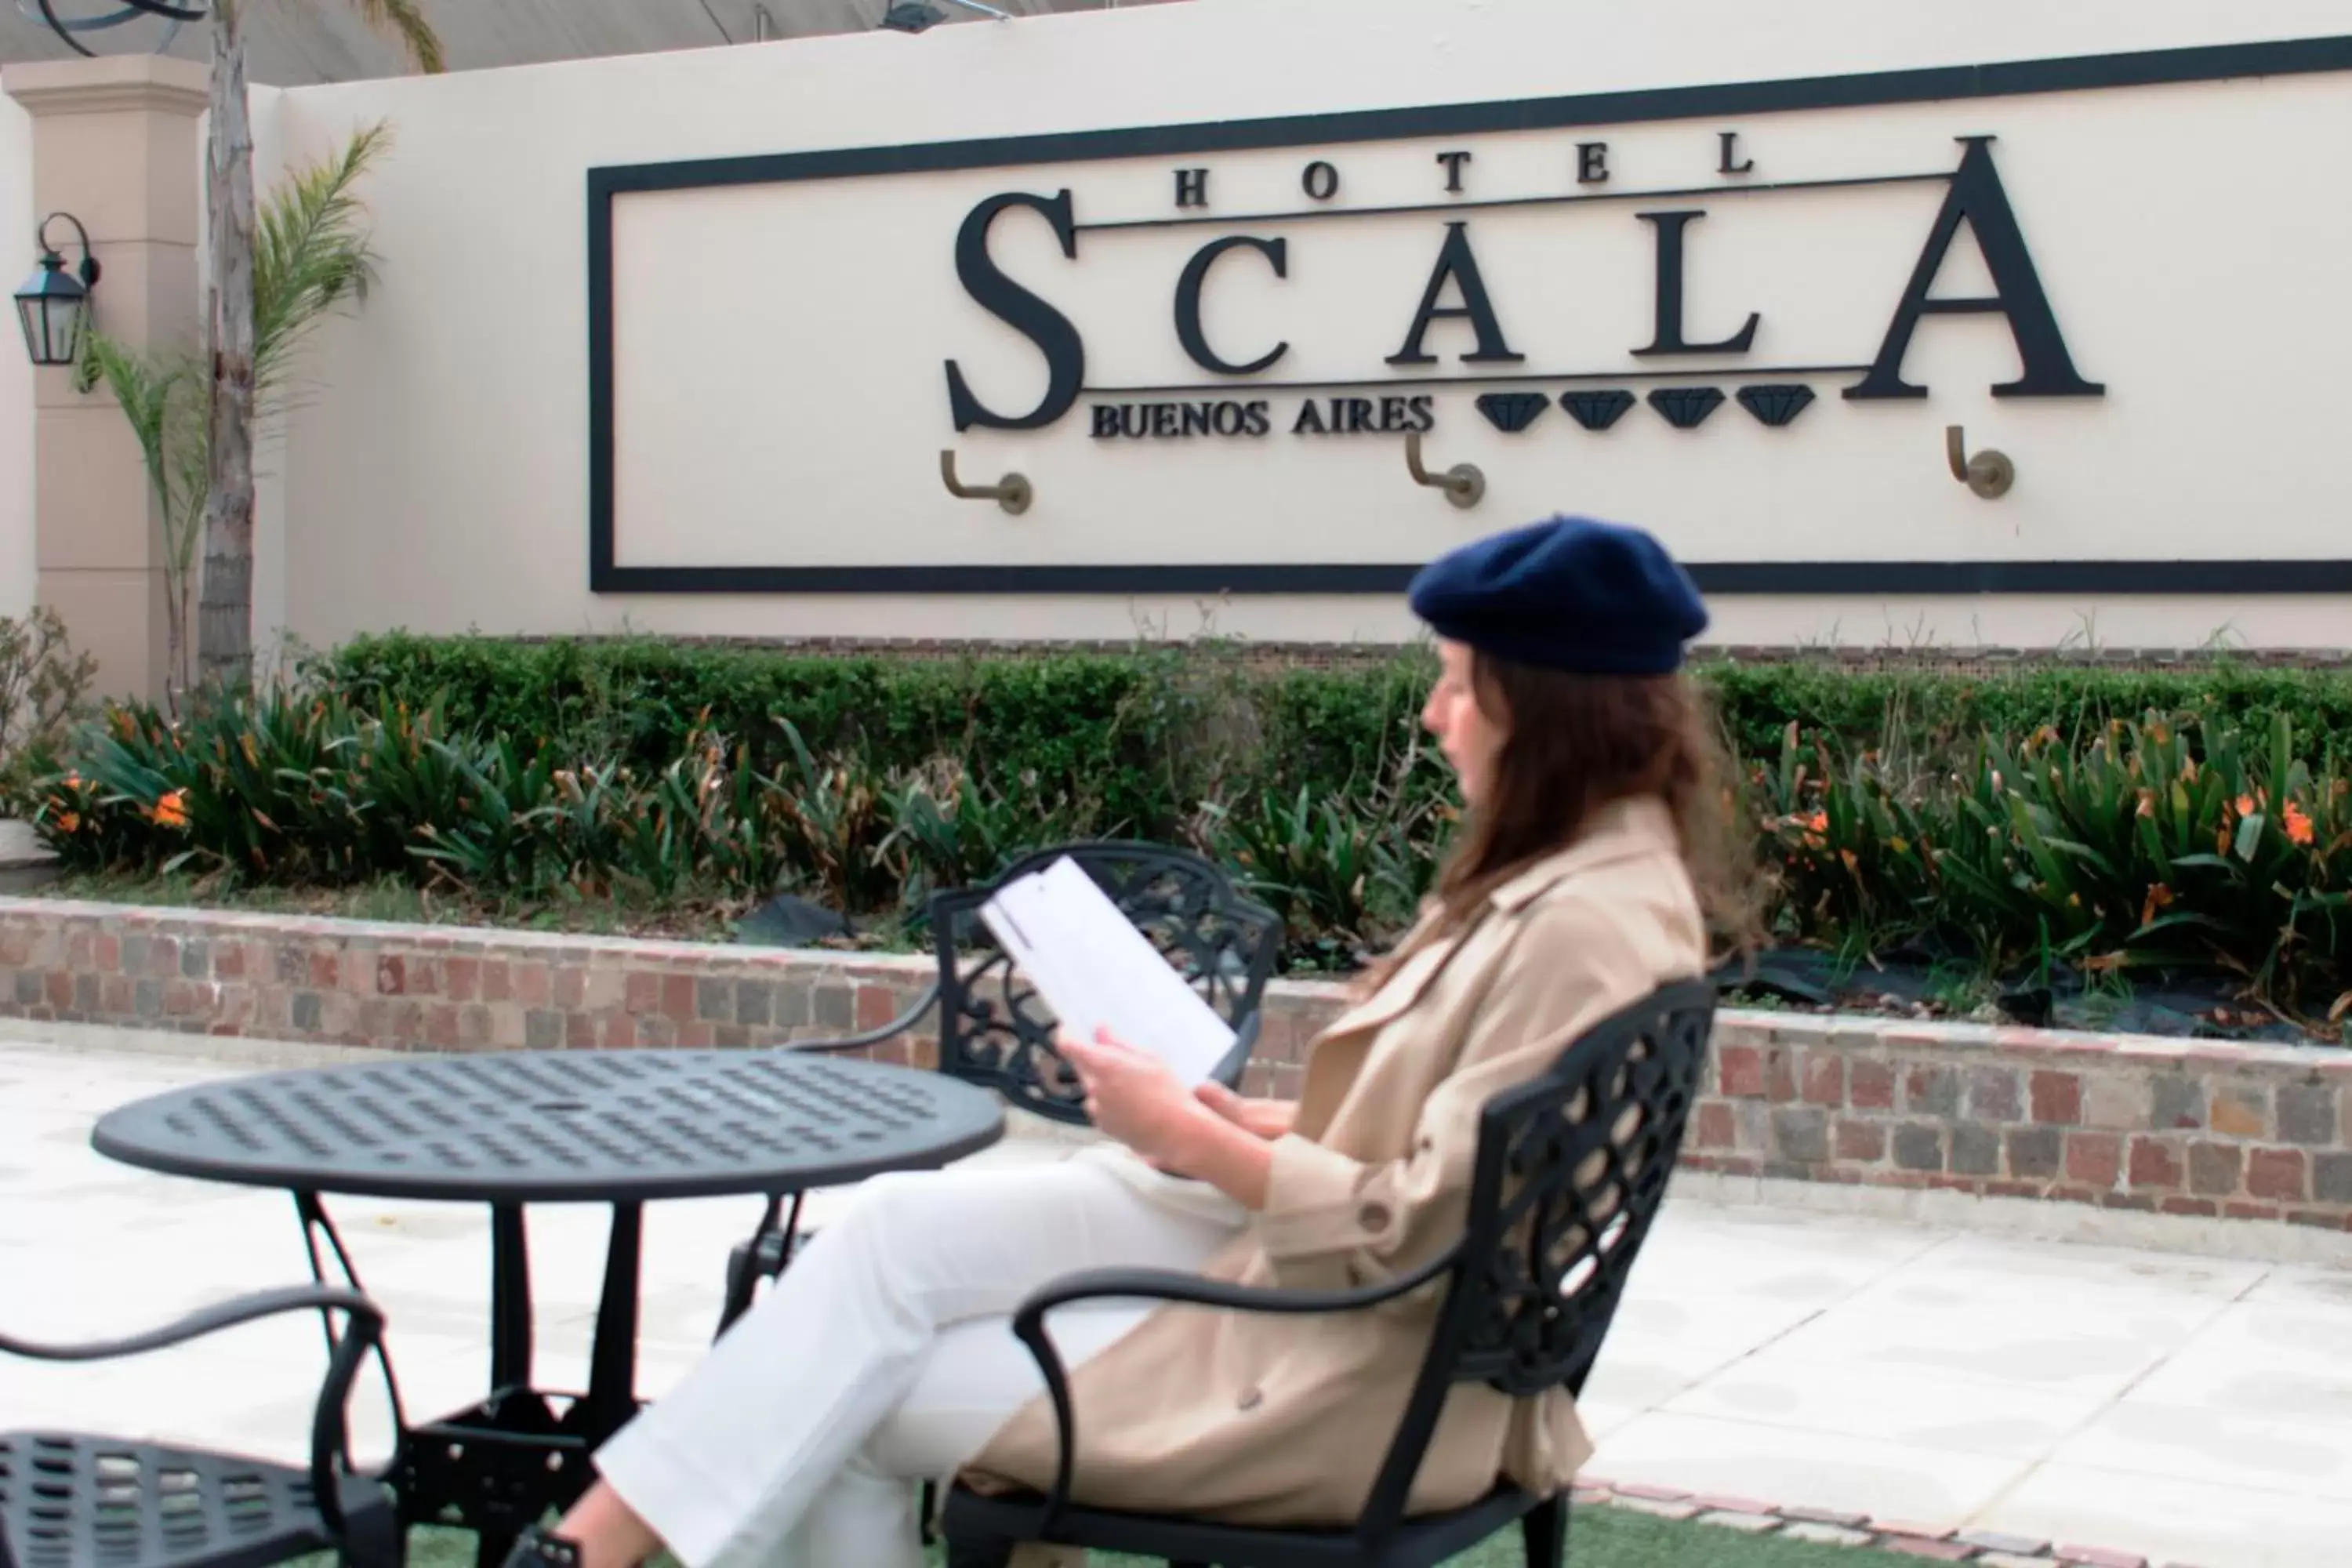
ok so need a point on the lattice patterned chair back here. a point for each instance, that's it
(1570, 1169)
(994, 1031)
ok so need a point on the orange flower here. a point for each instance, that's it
(1818, 822)
(2245, 805)
(2146, 803)
(68, 822)
(172, 811)
(2298, 826)
(2157, 897)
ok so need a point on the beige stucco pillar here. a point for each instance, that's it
(115, 142)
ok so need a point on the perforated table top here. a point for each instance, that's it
(557, 1126)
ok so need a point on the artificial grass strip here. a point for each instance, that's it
(1600, 1537)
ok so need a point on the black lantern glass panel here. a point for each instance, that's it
(53, 307)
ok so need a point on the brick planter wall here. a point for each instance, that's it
(2188, 1128)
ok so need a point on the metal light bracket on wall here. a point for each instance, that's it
(68, 28)
(1013, 492)
(1988, 473)
(1464, 484)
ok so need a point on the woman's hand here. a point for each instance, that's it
(1266, 1119)
(1133, 1097)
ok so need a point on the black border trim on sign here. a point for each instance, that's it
(2153, 68)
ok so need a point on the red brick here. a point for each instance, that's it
(163, 957)
(571, 987)
(1741, 1070)
(390, 975)
(621, 1032)
(2155, 1163)
(678, 998)
(1861, 1141)
(114, 993)
(1714, 1127)
(2203, 1207)
(1779, 1076)
(107, 959)
(81, 950)
(643, 992)
(1870, 1086)
(441, 1029)
(1934, 1551)
(2095, 1158)
(2057, 1099)
(1825, 1080)
(579, 1032)
(876, 1005)
(1915, 1532)
(696, 1036)
(1652, 1494)
(532, 985)
(2281, 1173)
(461, 978)
(2251, 1211)
(228, 960)
(497, 981)
(322, 971)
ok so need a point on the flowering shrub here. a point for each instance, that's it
(2170, 843)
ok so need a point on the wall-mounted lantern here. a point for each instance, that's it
(53, 307)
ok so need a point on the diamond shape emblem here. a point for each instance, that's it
(1687, 407)
(1597, 410)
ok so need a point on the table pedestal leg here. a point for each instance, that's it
(613, 1361)
(510, 1299)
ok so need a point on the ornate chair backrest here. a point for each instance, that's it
(1570, 1169)
(993, 1029)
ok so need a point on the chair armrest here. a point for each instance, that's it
(1229, 1071)
(210, 1320)
(1188, 1290)
(897, 1025)
(329, 1428)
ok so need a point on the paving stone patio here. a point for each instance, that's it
(1986, 1395)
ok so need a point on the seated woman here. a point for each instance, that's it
(882, 1356)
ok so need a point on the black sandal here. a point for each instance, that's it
(538, 1547)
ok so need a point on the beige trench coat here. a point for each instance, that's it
(1284, 1421)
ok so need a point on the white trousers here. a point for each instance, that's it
(883, 1357)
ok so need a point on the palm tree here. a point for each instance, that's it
(225, 623)
(311, 257)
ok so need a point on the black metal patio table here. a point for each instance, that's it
(622, 1128)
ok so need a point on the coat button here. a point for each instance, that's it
(1374, 1216)
(1251, 1399)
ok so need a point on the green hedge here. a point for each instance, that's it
(2018, 823)
(1141, 736)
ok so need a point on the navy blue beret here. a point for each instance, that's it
(1595, 599)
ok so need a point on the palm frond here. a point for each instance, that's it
(404, 22)
(310, 253)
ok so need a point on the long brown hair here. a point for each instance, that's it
(1576, 743)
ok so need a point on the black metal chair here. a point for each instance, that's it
(1570, 1169)
(995, 1033)
(71, 1500)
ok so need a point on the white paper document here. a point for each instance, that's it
(1094, 969)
